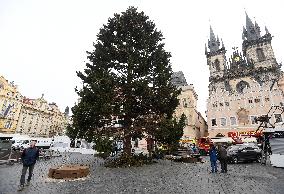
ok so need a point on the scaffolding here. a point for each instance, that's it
(267, 128)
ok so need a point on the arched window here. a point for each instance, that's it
(217, 65)
(260, 54)
(241, 86)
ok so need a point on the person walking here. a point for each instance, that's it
(222, 155)
(29, 157)
(213, 158)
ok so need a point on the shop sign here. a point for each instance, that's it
(242, 133)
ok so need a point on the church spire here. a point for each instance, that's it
(257, 29)
(212, 35)
(266, 30)
(252, 31)
(213, 43)
(249, 24)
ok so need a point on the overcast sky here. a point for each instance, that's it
(44, 43)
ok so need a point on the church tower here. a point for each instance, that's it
(244, 86)
(216, 59)
(257, 48)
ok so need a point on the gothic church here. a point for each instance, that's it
(243, 87)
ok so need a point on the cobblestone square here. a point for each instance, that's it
(162, 177)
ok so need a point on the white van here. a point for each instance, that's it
(44, 143)
(60, 143)
(20, 142)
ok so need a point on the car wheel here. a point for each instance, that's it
(258, 159)
(235, 159)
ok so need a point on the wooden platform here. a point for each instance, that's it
(69, 172)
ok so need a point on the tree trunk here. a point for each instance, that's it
(127, 145)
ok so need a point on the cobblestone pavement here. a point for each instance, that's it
(162, 177)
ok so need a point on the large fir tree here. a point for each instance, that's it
(128, 76)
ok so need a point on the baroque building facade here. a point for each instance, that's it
(39, 118)
(10, 106)
(196, 125)
(243, 87)
(34, 117)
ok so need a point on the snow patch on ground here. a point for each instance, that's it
(277, 160)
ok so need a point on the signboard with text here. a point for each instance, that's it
(242, 133)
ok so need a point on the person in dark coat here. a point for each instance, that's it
(29, 157)
(213, 158)
(222, 155)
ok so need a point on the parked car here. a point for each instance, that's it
(244, 152)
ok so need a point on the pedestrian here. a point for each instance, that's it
(29, 157)
(222, 155)
(195, 149)
(213, 158)
(189, 149)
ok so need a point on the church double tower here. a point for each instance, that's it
(243, 86)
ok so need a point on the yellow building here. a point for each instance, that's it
(10, 106)
(59, 121)
(34, 117)
(196, 126)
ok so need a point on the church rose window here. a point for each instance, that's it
(241, 86)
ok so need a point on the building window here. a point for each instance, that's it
(217, 65)
(8, 124)
(221, 104)
(184, 103)
(253, 120)
(278, 118)
(250, 101)
(214, 104)
(266, 99)
(214, 123)
(257, 100)
(260, 54)
(136, 143)
(223, 121)
(233, 120)
(227, 104)
(186, 121)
